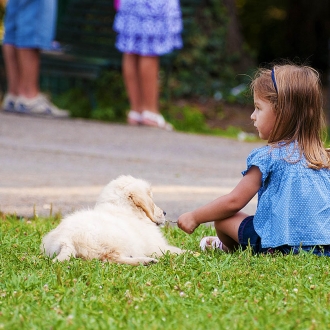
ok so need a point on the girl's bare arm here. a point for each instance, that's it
(224, 206)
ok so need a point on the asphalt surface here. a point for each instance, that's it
(52, 165)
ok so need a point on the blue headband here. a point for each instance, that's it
(274, 80)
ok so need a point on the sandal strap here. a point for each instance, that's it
(134, 115)
(217, 244)
(155, 117)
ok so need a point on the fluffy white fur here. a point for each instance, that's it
(122, 227)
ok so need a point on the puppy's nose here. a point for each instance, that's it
(164, 213)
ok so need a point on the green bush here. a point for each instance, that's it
(204, 67)
(76, 101)
(108, 103)
(188, 119)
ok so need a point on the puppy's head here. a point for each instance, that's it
(136, 193)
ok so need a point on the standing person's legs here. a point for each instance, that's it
(148, 73)
(22, 70)
(12, 69)
(29, 65)
(35, 30)
(132, 82)
(10, 55)
(141, 81)
(29, 27)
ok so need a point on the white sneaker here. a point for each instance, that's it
(8, 103)
(39, 106)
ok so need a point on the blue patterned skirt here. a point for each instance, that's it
(148, 27)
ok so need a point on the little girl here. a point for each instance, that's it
(146, 29)
(291, 173)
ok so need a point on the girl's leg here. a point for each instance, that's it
(130, 69)
(148, 73)
(227, 230)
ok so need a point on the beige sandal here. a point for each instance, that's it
(155, 120)
(134, 118)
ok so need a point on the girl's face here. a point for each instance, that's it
(263, 117)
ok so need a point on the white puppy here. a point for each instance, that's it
(122, 227)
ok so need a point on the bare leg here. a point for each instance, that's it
(148, 73)
(141, 81)
(29, 65)
(227, 230)
(22, 72)
(12, 69)
(132, 81)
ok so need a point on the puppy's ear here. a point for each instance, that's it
(145, 202)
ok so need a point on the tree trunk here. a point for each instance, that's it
(235, 41)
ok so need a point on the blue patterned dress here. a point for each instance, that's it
(148, 27)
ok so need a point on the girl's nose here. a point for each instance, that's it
(253, 115)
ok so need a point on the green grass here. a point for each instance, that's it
(209, 290)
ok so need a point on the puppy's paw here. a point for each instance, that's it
(150, 261)
(61, 258)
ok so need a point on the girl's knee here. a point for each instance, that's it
(229, 227)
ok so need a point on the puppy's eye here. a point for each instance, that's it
(164, 212)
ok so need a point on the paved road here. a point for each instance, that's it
(64, 164)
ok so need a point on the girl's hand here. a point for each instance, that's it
(187, 222)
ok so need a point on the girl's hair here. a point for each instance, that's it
(295, 94)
